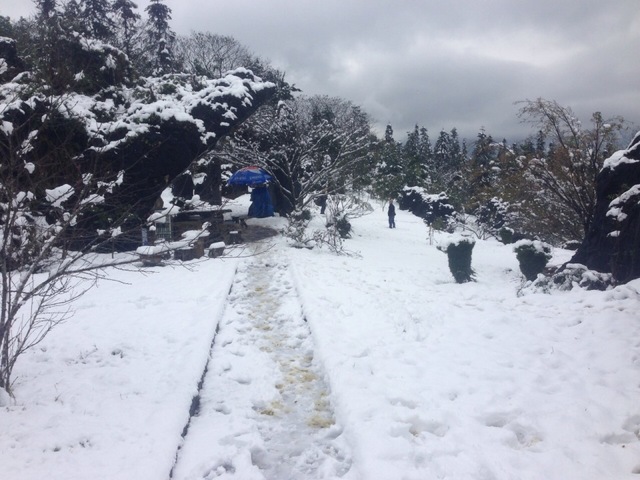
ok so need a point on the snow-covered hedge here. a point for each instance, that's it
(533, 256)
(458, 249)
(572, 276)
(429, 207)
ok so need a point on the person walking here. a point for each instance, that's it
(392, 214)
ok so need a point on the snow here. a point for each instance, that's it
(616, 205)
(57, 196)
(616, 159)
(446, 241)
(6, 127)
(173, 98)
(372, 366)
(536, 245)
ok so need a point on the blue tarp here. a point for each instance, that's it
(261, 205)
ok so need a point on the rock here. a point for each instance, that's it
(612, 244)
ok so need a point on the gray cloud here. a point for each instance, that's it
(461, 63)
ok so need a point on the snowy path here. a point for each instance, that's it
(265, 410)
(427, 379)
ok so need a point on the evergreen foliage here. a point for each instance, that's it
(432, 208)
(126, 21)
(160, 38)
(532, 256)
(390, 176)
(96, 15)
(413, 160)
(459, 252)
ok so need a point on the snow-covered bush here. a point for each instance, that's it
(341, 209)
(296, 229)
(432, 208)
(532, 256)
(572, 245)
(458, 249)
(573, 275)
(506, 235)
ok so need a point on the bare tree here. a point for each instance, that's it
(567, 172)
(40, 272)
(209, 54)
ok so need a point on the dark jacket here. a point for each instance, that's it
(392, 210)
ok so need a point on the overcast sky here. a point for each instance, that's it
(439, 64)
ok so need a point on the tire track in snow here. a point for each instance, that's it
(264, 406)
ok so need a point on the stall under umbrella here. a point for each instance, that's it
(251, 176)
(256, 178)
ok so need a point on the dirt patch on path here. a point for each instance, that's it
(248, 234)
(255, 233)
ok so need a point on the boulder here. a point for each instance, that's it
(612, 244)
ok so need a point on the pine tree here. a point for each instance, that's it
(441, 152)
(126, 19)
(483, 153)
(480, 176)
(425, 146)
(72, 16)
(426, 157)
(160, 37)
(389, 174)
(413, 167)
(96, 15)
(456, 160)
(448, 159)
(48, 53)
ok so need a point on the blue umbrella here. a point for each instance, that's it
(249, 176)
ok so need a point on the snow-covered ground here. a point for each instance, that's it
(315, 366)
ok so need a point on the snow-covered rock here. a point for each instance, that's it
(612, 244)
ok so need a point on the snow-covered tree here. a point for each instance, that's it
(128, 29)
(613, 242)
(311, 145)
(389, 178)
(96, 15)
(161, 37)
(414, 163)
(40, 271)
(446, 161)
(425, 152)
(47, 36)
